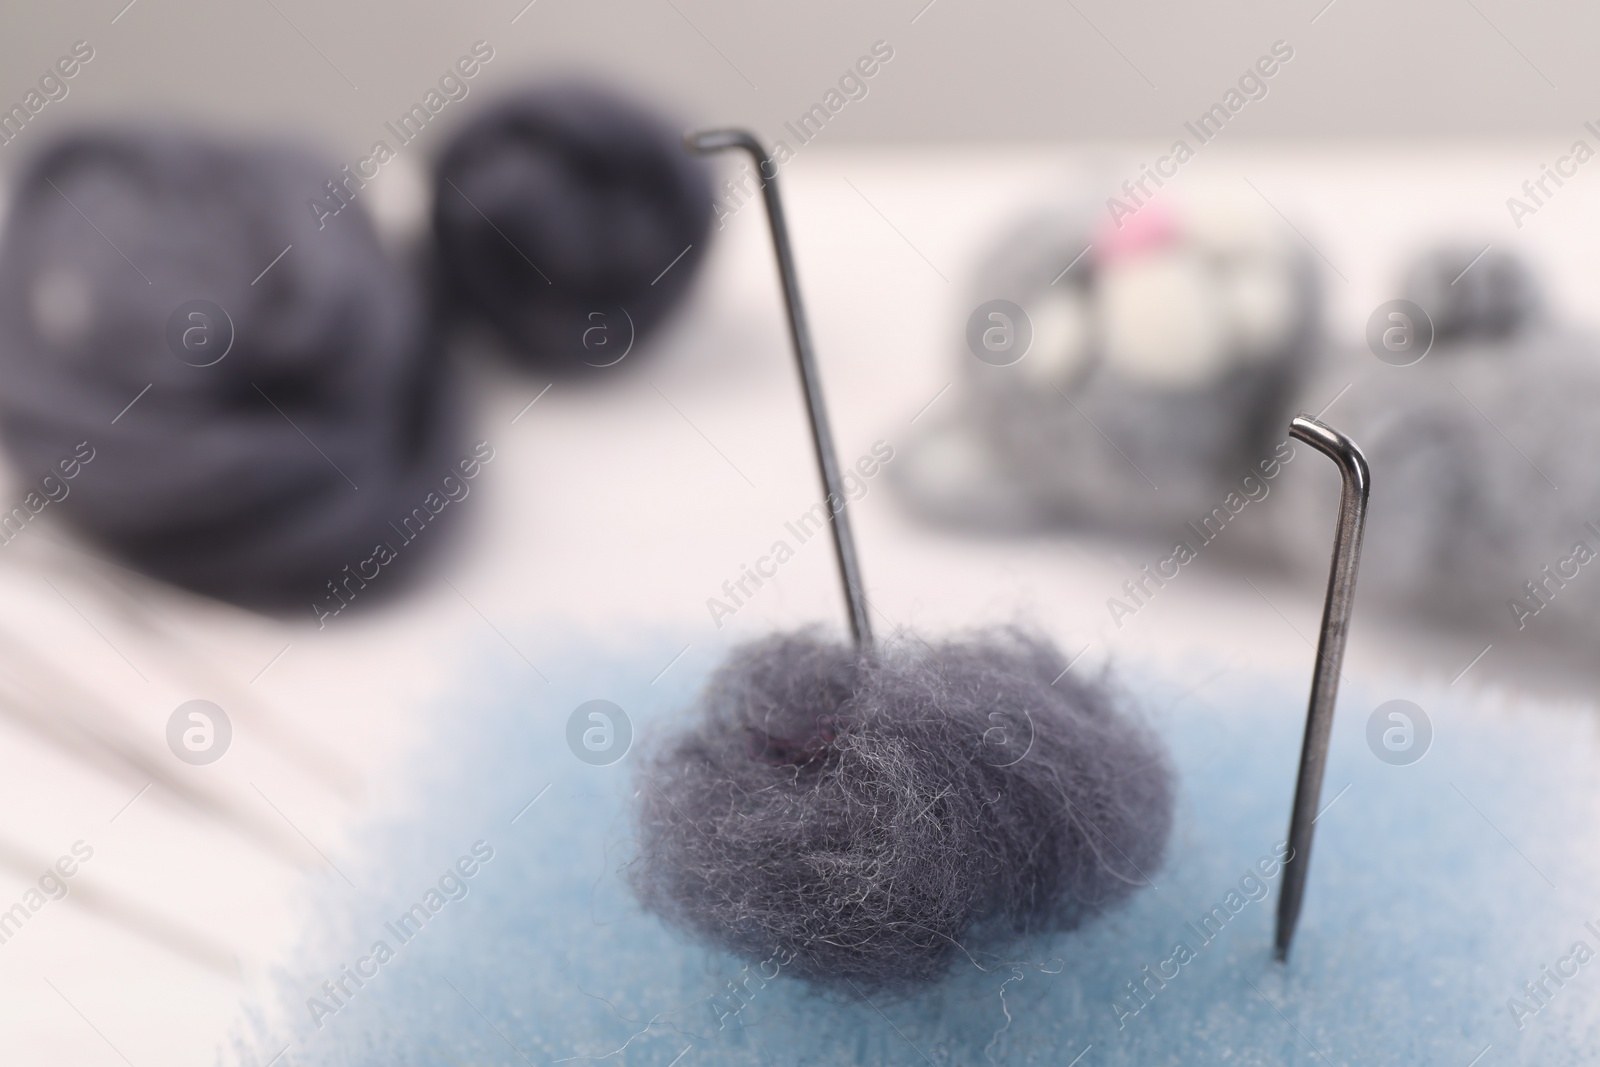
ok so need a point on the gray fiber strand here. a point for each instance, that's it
(873, 816)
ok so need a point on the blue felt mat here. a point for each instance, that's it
(1438, 891)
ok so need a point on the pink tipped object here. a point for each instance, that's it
(1151, 227)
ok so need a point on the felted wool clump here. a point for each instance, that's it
(1166, 351)
(560, 203)
(867, 816)
(1483, 478)
(262, 396)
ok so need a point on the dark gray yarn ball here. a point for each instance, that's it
(561, 202)
(875, 817)
(259, 477)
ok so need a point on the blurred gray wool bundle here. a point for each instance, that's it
(566, 209)
(1485, 506)
(866, 818)
(262, 397)
(1164, 358)
(1473, 294)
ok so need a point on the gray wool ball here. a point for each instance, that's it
(261, 390)
(870, 817)
(1162, 368)
(560, 202)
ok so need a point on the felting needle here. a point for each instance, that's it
(1351, 524)
(706, 142)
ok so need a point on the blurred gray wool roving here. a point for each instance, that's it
(1153, 365)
